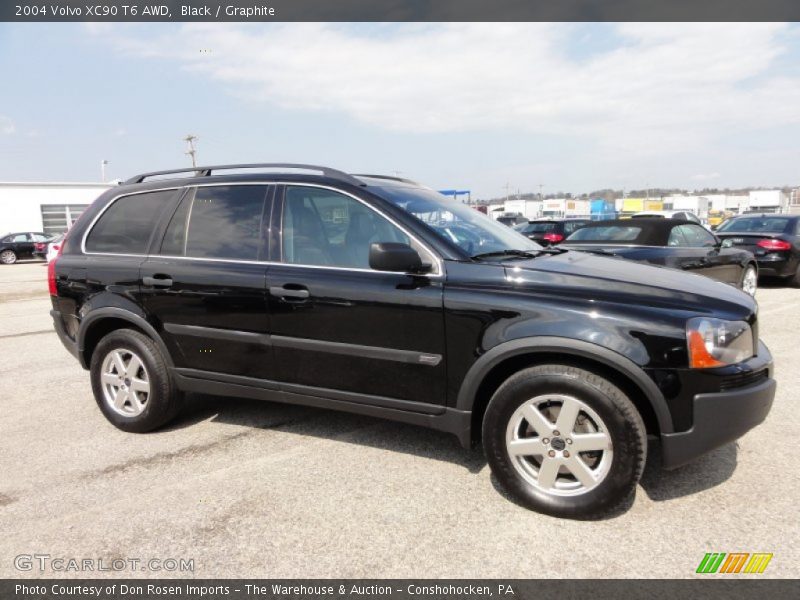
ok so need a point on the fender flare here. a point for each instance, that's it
(107, 312)
(558, 345)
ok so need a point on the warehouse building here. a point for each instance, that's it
(48, 207)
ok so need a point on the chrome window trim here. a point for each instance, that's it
(434, 275)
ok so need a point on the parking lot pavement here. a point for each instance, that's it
(257, 489)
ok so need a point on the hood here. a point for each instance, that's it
(625, 281)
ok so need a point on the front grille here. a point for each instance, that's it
(731, 382)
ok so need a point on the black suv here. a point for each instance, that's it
(307, 285)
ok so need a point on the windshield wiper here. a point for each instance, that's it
(602, 251)
(519, 253)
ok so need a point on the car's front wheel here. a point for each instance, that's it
(564, 441)
(8, 257)
(131, 383)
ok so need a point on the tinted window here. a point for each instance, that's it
(125, 227)
(698, 237)
(539, 228)
(39, 237)
(755, 225)
(612, 233)
(323, 227)
(20, 237)
(218, 222)
(677, 238)
(572, 226)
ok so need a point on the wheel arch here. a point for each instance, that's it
(502, 361)
(102, 321)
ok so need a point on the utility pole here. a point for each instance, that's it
(190, 139)
(507, 188)
(103, 164)
(540, 191)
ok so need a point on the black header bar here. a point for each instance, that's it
(397, 10)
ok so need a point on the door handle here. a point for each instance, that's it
(158, 280)
(283, 292)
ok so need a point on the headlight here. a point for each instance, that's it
(716, 343)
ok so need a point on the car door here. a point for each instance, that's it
(339, 326)
(23, 245)
(695, 249)
(203, 283)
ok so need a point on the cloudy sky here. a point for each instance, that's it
(573, 107)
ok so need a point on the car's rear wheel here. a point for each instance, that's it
(131, 383)
(8, 257)
(750, 280)
(794, 280)
(564, 441)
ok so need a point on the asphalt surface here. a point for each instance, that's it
(256, 489)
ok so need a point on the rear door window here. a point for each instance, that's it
(126, 226)
(225, 222)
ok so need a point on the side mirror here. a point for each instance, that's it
(396, 257)
(727, 243)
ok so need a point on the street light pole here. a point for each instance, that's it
(103, 164)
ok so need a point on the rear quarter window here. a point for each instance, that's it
(127, 224)
(613, 233)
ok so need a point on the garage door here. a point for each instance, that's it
(57, 218)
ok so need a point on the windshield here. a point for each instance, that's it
(755, 224)
(467, 228)
(611, 233)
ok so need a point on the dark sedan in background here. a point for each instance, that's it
(549, 232)
(669, 243)
(773, 240)
(14, 246)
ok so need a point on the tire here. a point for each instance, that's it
(608, 473)
(749, 281)
(8, 257)
(131, 383)
(794, 280)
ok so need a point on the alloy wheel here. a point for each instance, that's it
(750, 281)
(7, 257)
(126, 384)
(559, 445)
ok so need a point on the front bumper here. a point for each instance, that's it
(719, 418)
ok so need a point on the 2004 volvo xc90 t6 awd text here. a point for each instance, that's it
(378, 296)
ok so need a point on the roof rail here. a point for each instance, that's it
(389, 177)
(207, 171)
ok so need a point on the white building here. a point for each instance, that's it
(48, 207)
(767, 200)
(530, 209)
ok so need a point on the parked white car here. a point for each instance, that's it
(53, 247)
(668, 214)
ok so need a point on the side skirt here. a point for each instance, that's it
(450, 420)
